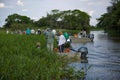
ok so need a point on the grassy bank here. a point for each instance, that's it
(21, 60)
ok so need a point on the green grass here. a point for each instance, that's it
(21, 60)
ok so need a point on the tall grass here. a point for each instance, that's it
(21, 60)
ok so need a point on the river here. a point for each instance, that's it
(103, 57)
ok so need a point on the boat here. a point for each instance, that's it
(79, 40)
(80, 54)
(71, 56)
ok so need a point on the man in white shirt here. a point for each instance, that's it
(32, 31)
(61, 42)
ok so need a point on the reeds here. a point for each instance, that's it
(21, 60)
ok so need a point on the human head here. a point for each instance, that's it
(61, 33)
(48, 29)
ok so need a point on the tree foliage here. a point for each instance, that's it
(110, 21)
(16, 21)
(69, 19)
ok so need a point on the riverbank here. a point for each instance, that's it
(20, 59)
(71, 57)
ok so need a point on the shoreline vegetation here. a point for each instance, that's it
(21, 60)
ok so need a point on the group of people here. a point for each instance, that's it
(62, 39)
(50, 35)
(32, 31)
(83, 34)
(28, 31)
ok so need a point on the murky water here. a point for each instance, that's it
(103, 56)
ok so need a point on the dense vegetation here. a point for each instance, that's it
(16, 21)
(70, 19)
(110, 21)
(21, 60)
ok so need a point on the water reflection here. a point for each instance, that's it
(103, 55)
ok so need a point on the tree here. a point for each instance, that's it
(70, 19)
(16, 21)
(110, 21)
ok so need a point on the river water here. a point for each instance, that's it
(103, 57)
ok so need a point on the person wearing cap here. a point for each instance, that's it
(50, 39)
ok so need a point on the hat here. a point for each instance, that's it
(61, 33)
(48, 29)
